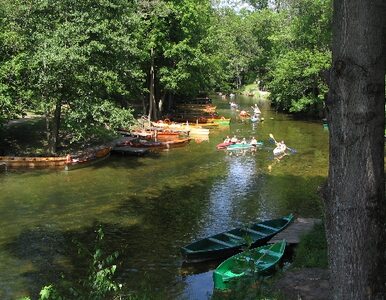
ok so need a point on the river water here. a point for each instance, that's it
(151, 206)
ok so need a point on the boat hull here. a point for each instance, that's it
(227, 243)
(251, 264)
(33, 162)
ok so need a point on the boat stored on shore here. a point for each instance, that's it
(230, 242)
(248, 264)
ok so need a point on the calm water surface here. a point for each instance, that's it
(151, 206)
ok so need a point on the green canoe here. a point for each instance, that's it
(248, 264)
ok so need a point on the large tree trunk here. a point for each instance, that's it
(355, 199)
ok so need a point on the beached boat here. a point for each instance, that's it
(127, 150)
(33, 162)
(230, 242)
(250, 264)
(87, 157)
(220, 121)
(159, 144)
(167, 135)
(67, 162)
(176, 143)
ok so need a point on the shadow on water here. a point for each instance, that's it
(149, 247)
(151, 206)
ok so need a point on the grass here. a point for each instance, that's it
(253, 90)
(312, 249)
(310, 253)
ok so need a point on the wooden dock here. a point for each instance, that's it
(294, 231)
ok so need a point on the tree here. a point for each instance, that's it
(82, 60)
(300, 54)
(12, 71)
(175, 38)
(355, 196)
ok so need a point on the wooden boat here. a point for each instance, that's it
(197, 107)
(166, 134)
(220, 121)
(251, 264)
(87, 158)
(230, 242)
(67, 162)
(176, 143)
(33, 162)
(140, 143)
(159, 144)
(127, 150)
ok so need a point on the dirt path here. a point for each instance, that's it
(304, 284)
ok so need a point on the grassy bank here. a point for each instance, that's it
(254, 91)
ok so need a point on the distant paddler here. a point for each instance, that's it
(281, 147)
(256, 109)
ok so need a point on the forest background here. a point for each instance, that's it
(84, 65)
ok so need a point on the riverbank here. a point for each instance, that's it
(27, 137)
(252, 90)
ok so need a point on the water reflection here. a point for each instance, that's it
(153, 205)
(226, 194)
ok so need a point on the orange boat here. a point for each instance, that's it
(67, 162)
(33, 162)
(159, 144)
(86, 158)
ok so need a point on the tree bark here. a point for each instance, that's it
(355, 198)
(152, 106)
(52, 127)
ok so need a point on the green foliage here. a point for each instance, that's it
(98, 284)
(299, 57)
(297, 84)
(312, 249)
(92, 59)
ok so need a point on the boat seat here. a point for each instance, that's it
(220, 242)
(187, 250)
(254, 231)
(270, 252)
(267, 227)
(232, 236)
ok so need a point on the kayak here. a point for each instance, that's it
(248, 264)
(239, 146)
(223, 145)
(279, 150)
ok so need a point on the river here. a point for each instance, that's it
(151, 206)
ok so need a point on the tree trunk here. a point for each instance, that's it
(153, 106)
(56, 125)
(52, 128)
(355, 198)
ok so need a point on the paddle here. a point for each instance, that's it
(290, 149)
